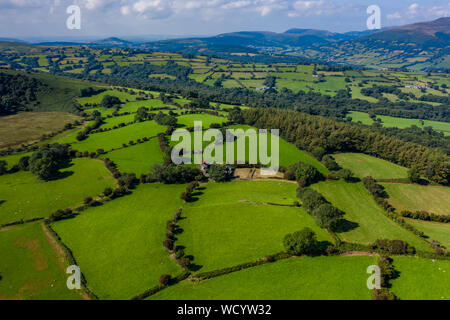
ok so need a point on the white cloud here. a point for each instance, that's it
(394, 15)
(413, 9)
(125, 10)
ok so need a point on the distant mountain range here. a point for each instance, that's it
(419, 46)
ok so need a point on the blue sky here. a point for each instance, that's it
(32, 18)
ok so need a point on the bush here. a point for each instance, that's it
(310, 198)
(393, 246)
(88, 200)
(301, 242)
(164, 279)
(383, 294)
(330, 163)
(308, 173)
(218, 173)
(327, 216)
(345, 174)
(3, 167)
(168, 244)
(107, 192)
(24, 163)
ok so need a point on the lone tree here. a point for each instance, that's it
(110, 101)
(327, 216)
(46, 162)
(301, 242)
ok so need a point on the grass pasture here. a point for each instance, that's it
(137, 159)
(97, 99)
(434, 230)
(341, 278)
(229, 224)
(115, 138)
(30, 267)
(363, 165)
(30, 126)
(25, 197)
(119, 245)
(288, 153)
(421, 279)
(434, 199)
(369, 222)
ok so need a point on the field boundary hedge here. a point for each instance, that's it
(70, 258)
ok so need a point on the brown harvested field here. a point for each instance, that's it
(30, 126)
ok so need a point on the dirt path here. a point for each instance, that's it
(357, 253)
(60, 254)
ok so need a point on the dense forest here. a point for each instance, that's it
(320, 135)
(17, 92)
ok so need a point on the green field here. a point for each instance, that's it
(26, 197)
(288, 153)
(206, 119)
(363, 165)
(119, 246)
(30, 268)
(434, 199)
(137, 159)
(115, 138)
(304, 278)
(369, 219)
(401, 123)
(421, 279)
(434, 230)
(230, 222)
(97, 99)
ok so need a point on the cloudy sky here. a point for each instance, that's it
(45, 18)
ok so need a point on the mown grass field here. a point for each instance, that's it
(304, 278)
(30, 126)
(26, 197)
(434, 230)
(401, 123)
(363, 165)
(232, 223)
(137, 159)
(115, 138)
(206, 119)
(421, 279)
(30, 267)
(119, 246)
(97, 99)
(369, 220)
(434, 199)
